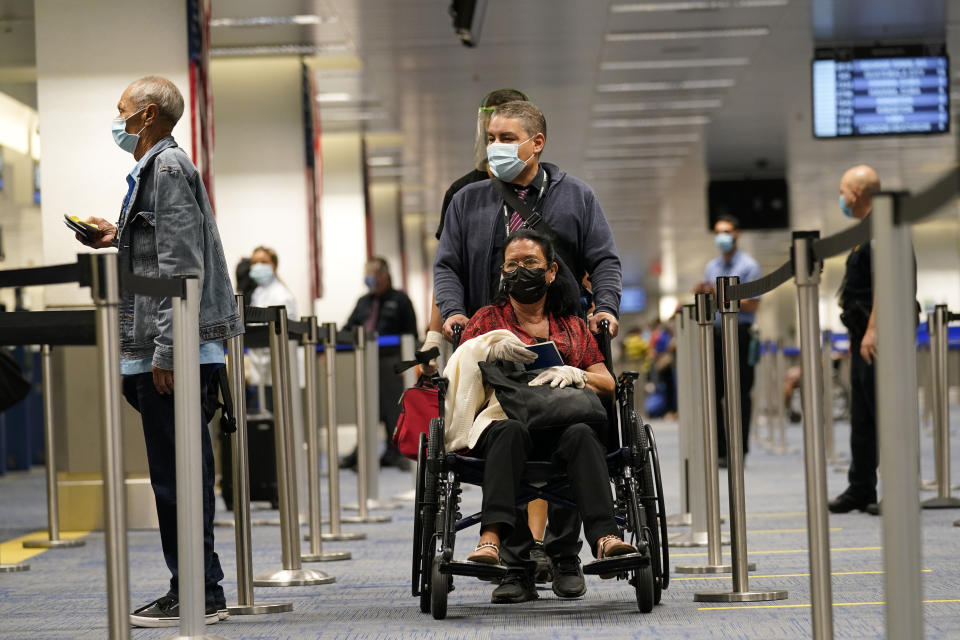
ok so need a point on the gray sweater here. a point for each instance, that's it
(462, 266)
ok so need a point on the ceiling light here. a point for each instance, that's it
(676, 121)
(338, 96)
(382, 161)
(695, 5)
(689, 63)
(280, 50)
(272, 21)
(698, 34)
(671, 105)
(675, 85)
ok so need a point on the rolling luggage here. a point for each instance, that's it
(262, 463)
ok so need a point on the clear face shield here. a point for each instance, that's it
(480, 143)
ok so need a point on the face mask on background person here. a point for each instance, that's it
(504, 159)
(724, 241)
(262, 273)
(847, 211)
(126, 141)
(526, 285)
(371, 282)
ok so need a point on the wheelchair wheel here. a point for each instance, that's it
(662, 547)
(645, 586)
(653, 511)
(428, 523)
(415, 581)
(439, 589)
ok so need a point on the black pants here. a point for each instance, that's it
(508, 444)
(157, 416)
(862, 475)
(746, 385)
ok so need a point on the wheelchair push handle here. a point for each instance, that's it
(457, 335)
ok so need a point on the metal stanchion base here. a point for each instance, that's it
(373, 504)
(339, 537)
(694, 540)
(711, 568)
(10, 568)
(254, 523)
(326, 556)
(52, 544)
(739, 596)
(370, 519)
(928, 485)
(292, 578)
(941, 503)
(679, 520)
(259, 608)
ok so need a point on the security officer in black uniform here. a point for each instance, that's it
(857, 188)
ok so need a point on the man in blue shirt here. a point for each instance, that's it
(732, 262)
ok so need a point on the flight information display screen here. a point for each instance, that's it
(880, 91)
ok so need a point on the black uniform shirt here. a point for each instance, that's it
(857, 289)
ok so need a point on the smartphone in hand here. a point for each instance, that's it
(88, 232)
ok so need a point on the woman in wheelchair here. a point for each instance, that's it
(532, 311)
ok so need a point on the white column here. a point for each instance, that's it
(87, 54)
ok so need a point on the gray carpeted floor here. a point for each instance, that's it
(62, 595)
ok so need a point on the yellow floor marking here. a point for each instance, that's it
(774, 552)
(12, 551)
(722, 576)
(800, 606)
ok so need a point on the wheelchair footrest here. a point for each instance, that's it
(474, 569)
(617, 564)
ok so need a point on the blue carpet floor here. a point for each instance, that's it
(62, 595)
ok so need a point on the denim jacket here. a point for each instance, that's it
(168, 230)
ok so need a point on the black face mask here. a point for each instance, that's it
(526, 285)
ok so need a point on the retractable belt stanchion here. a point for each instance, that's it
(729, 309)
(363, 448)
(311, 415)
(241, 486)
(53, 517)
(696, 502)
(291, 573)
(684, 405)
(807, 273)
(939, 322)
(189, 463)
(333, 453)
(897, 418)
(105, 287)
(705, 311)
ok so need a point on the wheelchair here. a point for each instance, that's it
(638, 503)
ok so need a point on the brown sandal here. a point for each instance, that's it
(611, 547)
(482, 556)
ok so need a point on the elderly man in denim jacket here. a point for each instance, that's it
(166, 229)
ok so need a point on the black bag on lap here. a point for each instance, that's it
(542, 407)
(13, 386)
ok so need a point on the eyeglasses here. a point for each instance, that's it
(526, 263)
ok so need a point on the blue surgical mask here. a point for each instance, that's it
(847, 211)
(262, 273)
(126, 141)
(724, 241)
(371, 282)
(504, 159)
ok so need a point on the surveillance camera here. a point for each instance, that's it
(467, 19)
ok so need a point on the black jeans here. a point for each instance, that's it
(157, 416)
(508, 444)
(862, 475)
(746, 385)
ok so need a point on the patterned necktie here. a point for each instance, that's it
(516, 220)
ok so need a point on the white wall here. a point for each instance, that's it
(259, 165)
(85, 59)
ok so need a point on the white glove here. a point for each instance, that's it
(434, 339)
(561, 377)
(511, 349)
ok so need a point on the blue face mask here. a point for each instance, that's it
(262, 273)
(126, 141)
(724, 241)
(371, 282)
(504, 159)
(847, 211)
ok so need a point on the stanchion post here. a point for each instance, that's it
(241, 485)
(333, 451)
(729, 310)
(807, 273)
(291, 573)
(897, 418)
(683, 517)
(311, 421)
(53, 517)
(105, 287)
(939, 339)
